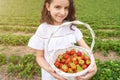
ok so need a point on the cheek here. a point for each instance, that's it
(66, 12)
(53, 12)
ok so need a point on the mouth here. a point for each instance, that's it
(61, 17)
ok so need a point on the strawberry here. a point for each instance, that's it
(75, 62)
(87, 62)
(79, 53)
(79, 68)
(74, 59)
(72, 51)
(85, 57)
(64, 68)
(57, 64)
(84, 66)
(60, 66)
(74, 70)
(79, 58)
(60, 57)
(67, 52)
(67, 60)
(75, 55)
(72, 65)
(63, 61)
(70, 70)
(81, 62)
(66, 56)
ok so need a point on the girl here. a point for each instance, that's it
(55, 13)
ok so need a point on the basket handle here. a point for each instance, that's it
(76, 22)
(91, 31)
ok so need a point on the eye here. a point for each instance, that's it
(58, 7)
(67, 8)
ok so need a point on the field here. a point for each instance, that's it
(20, 19)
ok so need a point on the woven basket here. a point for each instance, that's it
(54, 56)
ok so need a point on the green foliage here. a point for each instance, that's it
(25, 14)
(25, 67)
(108, 70)
(16, 28)
(105, 45)
(14, 59)
(3, 59)
(27, 58)
(108, 45)
(14, 69)
(9, 39)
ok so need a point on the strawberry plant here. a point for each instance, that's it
(26, 67)
(3, 59)
(108, 70)
(10, 39)
(14, 59)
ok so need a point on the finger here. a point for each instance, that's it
(92, 68)
(58, 77)
(78, 78)
(51, 69)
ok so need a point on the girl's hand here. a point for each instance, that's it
(55, 75)
(89, 74)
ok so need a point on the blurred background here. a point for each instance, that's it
(19, 20)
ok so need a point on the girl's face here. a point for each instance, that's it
(58, 10)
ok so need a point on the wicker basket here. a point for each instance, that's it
(54, 56)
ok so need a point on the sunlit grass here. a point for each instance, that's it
(91, 11)
(23, 12)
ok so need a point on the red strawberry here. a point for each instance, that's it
(67, 52)
(72, 51)
(84, 66)
(66, 56)
(76, 62)
(79, 53)
(70, 70)
(57, 64)
(67, 61)
(63, 61)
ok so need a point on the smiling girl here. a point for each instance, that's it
(54, 14)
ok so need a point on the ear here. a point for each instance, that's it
(48, 6)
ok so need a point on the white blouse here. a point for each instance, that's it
(63, 38)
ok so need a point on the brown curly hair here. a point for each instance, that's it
(46, 17)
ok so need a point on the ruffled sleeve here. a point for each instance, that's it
(78, 34)
(36, 41)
